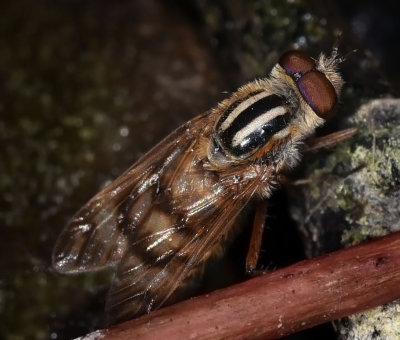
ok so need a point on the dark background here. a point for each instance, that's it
(86, 87)
(377, 26)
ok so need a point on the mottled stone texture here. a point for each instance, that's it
(354, 196)
(353, 188)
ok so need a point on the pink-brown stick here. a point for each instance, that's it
(281, 302)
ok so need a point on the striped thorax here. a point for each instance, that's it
(265, 119)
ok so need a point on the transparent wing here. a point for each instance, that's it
(100, 233)
(142, 285)
(155, 223)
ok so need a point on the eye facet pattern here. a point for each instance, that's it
(318, 92)
(296, 63)
(315, 88)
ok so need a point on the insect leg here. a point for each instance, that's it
(328, 141)
(256, 238)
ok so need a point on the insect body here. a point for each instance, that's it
(172, 209)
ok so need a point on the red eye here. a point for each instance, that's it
(318, 92)
(296, 63)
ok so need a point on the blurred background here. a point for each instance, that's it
(88, 86)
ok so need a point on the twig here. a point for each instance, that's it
(279, 303)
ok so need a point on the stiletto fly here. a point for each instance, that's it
(166, 215)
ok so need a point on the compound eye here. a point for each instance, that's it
(318, 92)
(296, 63)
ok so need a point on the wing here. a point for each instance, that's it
(162, 260)
(98, 235)
(155, 223)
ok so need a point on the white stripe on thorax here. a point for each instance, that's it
(283, 133)
(256, 123)
(241, 107)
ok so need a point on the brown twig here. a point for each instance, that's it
(281, 302)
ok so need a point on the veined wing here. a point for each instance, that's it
(156, 222)
(188, 232)
(99, 234)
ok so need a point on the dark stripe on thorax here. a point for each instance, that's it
(256, 139)
(233, 106)
(252, 112)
